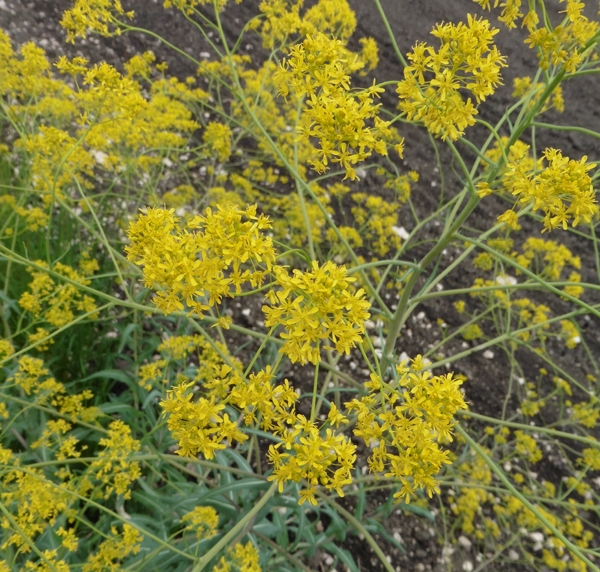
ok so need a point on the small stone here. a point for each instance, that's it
(488, 354)
(401, 232)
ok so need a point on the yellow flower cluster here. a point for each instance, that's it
(282, 20)
(6, 349)
(200, 426)
(180, 197)
(318, 70)
(34, 379)
(112, 465)
(56, 159)
(472, 505)
(54, 431)
(121, 121)
(218, 137)
(570, 335)
(303, 452)
(527, 313)
(178, 348)
(34, 503)
(564, 45)
(190, 6)
(306, 454)
(467, 504)
(376, 218)
(527, 447)
(466, 60)
(199, 264)
(561, 45)
(27, 77)
(511, 10)
(48, 563)
(242, 557)
(315, 306)
(114, 549)
(563, 190)
(404, 423)
(54, 302)
(33, 217)
(400, 184)
(547, 258)
(586, 413)
(99, 16)
(203, 521)
(97, 120)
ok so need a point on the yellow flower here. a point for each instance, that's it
(408, 422)
(225, 250)
(511, 219)
(563, 190)
(218, 137)
(203, 520)
(319, 69)
(113, 550)
(467, 60)
(242, 557)
(112, 465)
(316, 306)
(100, 16)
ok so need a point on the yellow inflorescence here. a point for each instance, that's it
(99, 16)
(218, 137)
(203, 520)
(318, 70)
(562, 45)
(211, 257)
(524, 87)
(114, 549)
(242, 557)
(404, 423)
(466, 60)
(55, 302)
(315, 307)
(282, 19)
(563, 190)
(112, 465)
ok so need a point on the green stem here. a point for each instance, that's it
(313, 409)
(390, 32)
(583, 130)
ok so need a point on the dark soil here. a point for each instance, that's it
(411, 21)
